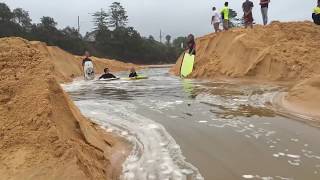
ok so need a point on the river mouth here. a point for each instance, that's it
(188, 129)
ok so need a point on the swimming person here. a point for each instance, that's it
(247, 10)
(133, 73)
(264, 10)
(191, 45)
(107, 74)
(225, 16)
(215, 21)
(316, 14)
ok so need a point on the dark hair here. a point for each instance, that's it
(226, 3)
(106, 69)
(214, 8)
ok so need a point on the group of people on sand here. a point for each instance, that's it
(247, 6)
(107, 74)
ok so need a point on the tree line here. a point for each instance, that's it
(110, 37)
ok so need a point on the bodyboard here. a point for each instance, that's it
(187, 65)
(88, 70)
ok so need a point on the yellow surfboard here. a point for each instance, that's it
(187, 65)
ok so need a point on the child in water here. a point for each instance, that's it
(107, 75)
(191, 45)
(133, 73)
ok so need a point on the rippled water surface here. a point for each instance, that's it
(188, 129)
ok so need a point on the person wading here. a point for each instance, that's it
(264, 10)
(247, 10)
(215, 21)
(225, 16)
(316, 14)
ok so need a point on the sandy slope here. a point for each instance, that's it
(281, 51)
(304, 98)
(43, 135)
(69, 66)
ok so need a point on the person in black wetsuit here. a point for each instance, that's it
(107, 75)
(133, 73)
(191, 45)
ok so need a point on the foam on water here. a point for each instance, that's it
(155, 153)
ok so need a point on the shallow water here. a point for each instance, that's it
(184, 129)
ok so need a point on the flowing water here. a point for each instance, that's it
(190, 129)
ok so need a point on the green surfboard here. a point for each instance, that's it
(187, 65)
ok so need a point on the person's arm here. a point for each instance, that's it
(113, 76)
(212, 18)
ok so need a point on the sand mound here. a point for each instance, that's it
(280, 51)
(43, 135)
(69, 66)
(304, 98)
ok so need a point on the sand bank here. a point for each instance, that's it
(278, 52)
(43, 135)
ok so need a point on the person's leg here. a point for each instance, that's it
(215, 27)
(266, 15)
(264, 12)
(226, 24)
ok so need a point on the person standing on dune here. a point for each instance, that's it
(215, 21)
(247, 10)
(264, 10)
(225, 16)
(316, 14)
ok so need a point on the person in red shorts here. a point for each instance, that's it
(247, 10)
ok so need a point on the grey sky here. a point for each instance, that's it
(174, 17)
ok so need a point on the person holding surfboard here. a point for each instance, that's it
(87, 65)
(107, 75)
(191, 45)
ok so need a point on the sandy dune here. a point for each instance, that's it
(43, 135)
(278, 52)
(68, 66)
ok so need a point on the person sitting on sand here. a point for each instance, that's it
(107, 74)
(191, 45)
(316, 14)
(225, 16)
(247, 10)
(133, 73)
(215, 21)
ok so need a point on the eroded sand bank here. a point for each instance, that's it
(43, 135)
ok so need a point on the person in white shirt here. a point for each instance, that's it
(215, 21)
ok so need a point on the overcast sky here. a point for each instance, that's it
(174, 17)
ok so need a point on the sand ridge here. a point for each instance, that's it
(43, 135)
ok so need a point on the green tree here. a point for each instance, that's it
(22, 18)
(48, 22)
(118, 16)
(234, 20)
(179, 42)
(5, 12)
(100, 19)
(168, 40)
